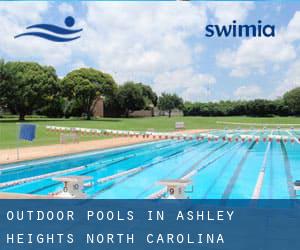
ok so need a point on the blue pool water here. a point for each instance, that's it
(221, 169)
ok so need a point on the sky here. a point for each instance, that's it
(163, 44)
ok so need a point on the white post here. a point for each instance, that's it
(18, 140)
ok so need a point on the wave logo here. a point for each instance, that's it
(59, 34)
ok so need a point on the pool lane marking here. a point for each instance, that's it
(115, 176)
(127, 158)
(54, 159)
(161, 192)
(287, 168)
(194, 166)
(38, 177)
(58, 184)
(145, 167)
(123, 173)
(192, 171)
(270, 189)
(195, 170)
(28, 167)
(237, 172)
(261, 176)
(95, 170)
(222, 171)
(110, 152)
(100, 181)
(260, 179)
(106, 164)
(170, 172)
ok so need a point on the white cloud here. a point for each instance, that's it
(151, 43)
(141, 38)
(198, 49)
(14, 18)
(65, 8)
(188, 84)
(136, 41)
(23, 11)
(226, 12)
(291, 80)
(247, 92)
(293, 28)
(79, 64)
(255, 54)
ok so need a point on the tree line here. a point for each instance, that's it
(30, 88)
(288, 105)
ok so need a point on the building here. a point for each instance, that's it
(98, 107)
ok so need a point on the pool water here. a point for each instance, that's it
(220, 169)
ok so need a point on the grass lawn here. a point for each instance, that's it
(9, 127)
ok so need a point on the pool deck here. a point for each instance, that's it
(24, 196)
(31, 153)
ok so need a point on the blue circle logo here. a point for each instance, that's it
(69, 21)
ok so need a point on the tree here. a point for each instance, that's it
(149, 94)
(167, 102)
(84, 85)
(292, 100)
(3, 83)
(26, 86)
(131, 98)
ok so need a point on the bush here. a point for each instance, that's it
(258, 107)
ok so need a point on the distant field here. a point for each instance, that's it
(9, 127)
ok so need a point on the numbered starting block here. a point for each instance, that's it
(176, 188)
(73, 186)
(296, 187)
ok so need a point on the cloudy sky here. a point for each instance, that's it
(163, 44)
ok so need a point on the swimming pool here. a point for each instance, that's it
(218, 169)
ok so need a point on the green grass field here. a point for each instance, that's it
(9, 127)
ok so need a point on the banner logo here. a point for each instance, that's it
(57, 34)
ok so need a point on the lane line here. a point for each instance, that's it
(236, 174)
(29, 179)
(182, 151)
(261, 176)
(105, 164)
(287, 168)
(161, 192)
(221, 173)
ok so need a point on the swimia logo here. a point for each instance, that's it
(52, 32)
(240, 30)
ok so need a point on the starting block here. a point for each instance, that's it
(176, 188)
(296, 186)
(73, 186)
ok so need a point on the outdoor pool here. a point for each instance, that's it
(219, 169)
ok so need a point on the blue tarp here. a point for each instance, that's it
(27, 132)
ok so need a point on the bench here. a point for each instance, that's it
(179, 125)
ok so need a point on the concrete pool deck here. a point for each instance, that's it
(31, 153)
